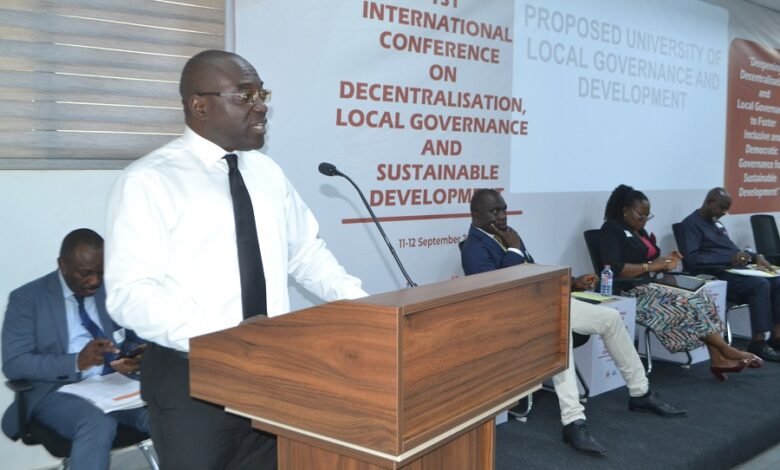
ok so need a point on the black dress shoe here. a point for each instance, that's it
(577, 435)
(764, 351)
(650, 403)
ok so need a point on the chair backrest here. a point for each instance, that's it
(578, 339)
(678, 230)
(592, 242)
(765, 234)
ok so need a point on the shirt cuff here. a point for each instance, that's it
(515, 250)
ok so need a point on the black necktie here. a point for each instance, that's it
(250, 264)
(96, 332)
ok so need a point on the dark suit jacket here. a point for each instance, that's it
(618, 245)
(35, 342)
(481, 253)
(706, 245)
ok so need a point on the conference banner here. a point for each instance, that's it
(553, 103)
(752, 158)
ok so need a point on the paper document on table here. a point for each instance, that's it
(110, 392)
(592, 297)
(755, 272)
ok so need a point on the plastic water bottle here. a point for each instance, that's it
(606, 281)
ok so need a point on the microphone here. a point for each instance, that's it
(329, 169)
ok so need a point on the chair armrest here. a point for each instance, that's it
(19, 385)
(711, 269)
(702, 276)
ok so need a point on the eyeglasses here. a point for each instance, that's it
(643, 218)
(244, 97)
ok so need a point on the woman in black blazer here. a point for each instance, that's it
(682, 320)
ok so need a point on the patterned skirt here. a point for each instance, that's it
(679, 318)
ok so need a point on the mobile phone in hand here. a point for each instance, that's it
(131, 354)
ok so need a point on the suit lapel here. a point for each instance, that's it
(56, 308)
(492, 245)
(633, 240)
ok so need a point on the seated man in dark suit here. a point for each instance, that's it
(57, 331)
(708, 248)
(491, 244)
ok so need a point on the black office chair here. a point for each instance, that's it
(766, 236)
(733, 303)
(521, 414)
(33, 432)
(592, 241)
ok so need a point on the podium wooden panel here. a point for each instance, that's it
(406, 379)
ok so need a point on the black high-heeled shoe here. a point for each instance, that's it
(719, 372)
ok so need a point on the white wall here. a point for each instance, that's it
(39, 208)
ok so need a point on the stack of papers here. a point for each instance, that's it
(752, 270)
(592, 297)
(110, 392)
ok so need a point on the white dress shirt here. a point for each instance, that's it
(171, 266)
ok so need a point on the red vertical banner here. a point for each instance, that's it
(753, 128)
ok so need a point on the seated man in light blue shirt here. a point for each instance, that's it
(57, 331)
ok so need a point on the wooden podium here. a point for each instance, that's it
(403, 380)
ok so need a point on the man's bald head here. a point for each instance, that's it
(480, 195)
(717, 194)
(199, 71)
(218, 90)
(716, 204)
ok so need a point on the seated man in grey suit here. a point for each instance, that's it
(492, 244)
(57, 331)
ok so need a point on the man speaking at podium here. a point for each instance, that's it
(491, 244)
(202, 234)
